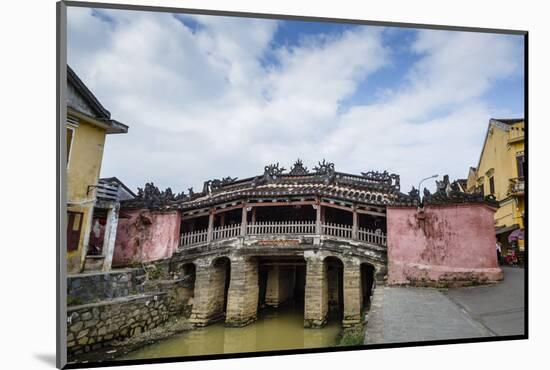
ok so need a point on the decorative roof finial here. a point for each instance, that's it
(298, 168)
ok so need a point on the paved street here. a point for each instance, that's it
(499, 308)
(420, 314)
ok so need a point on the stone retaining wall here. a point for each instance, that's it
(92, 325)
(87, 288)
(180, 295)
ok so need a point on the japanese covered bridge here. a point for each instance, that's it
(313, 236)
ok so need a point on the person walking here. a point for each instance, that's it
(499, 253)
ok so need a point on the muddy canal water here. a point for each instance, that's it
(274, 330)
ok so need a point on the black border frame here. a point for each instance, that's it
(61, 273)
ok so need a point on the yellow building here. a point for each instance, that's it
(500, 172)
(88, 122)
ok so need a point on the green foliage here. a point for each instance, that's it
(353, 336)
(155, 272)
(74, 301)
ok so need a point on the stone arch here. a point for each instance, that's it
(220, 280)
(368, 273)
(188, 273)
(335, 286)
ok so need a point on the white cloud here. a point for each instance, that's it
(455, 70)
(201, 104)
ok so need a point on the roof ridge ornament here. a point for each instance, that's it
(449, 193)
(152, 197)
(384, 177)
(326, 169)
(273, 171)
(215, 184)
(298, 168)
(414, 193)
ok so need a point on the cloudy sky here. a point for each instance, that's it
(207, 97)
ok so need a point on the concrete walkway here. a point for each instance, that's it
(421, 314)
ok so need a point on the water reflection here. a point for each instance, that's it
(274, 330)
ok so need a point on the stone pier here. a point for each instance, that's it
(280, 285)
(316, 294)
(352, 293)
(227, 286)
(209, 299)
(242, 302)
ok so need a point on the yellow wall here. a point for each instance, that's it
(499, 155)
(83, 170)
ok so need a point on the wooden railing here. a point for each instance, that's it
(371, 237)
(284, 228)
(104, 190)
(194, 237)
(339, 231)
(226, 232)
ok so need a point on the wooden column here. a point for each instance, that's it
(253, 215)
(244, 220)
(355, 224)
(318, 219)
(110, 236)
(210, 226)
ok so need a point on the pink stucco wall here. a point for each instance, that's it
(153, 235)
(447, 245)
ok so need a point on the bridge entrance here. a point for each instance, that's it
(335, 288)
(222, 268)
(281, 282)
(367, 284)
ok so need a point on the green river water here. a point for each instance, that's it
(274, 330)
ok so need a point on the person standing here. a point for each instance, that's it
(499, 253)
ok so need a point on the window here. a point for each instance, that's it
(70, 135)
(74, 227)
(520, 161)
(491, 185)
(72, 124)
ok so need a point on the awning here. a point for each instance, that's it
(506, 229)
(516, 235)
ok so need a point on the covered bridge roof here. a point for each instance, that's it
(370, 188)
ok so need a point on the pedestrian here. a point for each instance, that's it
(499, 253)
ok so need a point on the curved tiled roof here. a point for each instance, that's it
(374, 188)
(285, 188)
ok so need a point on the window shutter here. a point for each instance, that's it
(74, 228)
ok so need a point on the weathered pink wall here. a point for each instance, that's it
(157, 233)
(452, 245)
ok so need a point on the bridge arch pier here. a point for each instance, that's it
(242, 303)
(212, 278)
(231, 279)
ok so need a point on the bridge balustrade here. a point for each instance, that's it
(284, 228)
